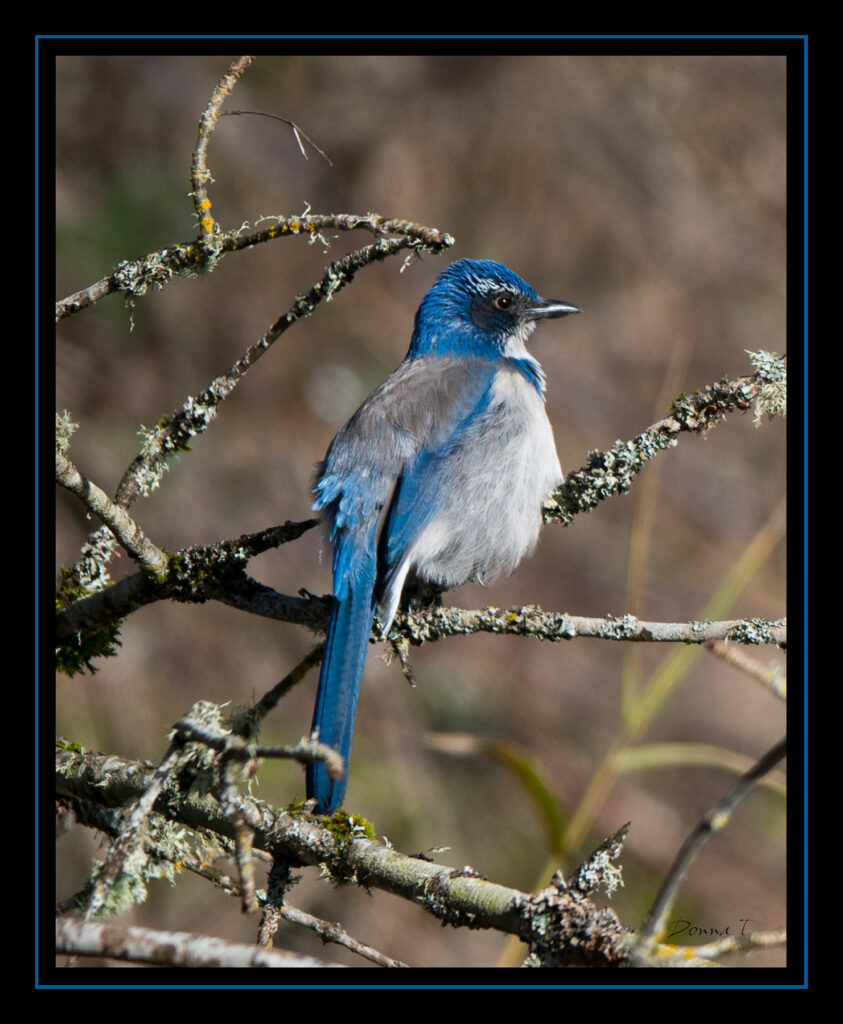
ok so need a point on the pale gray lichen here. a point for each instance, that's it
(771, 370)
(137, 276)
(620, 628)
(92, 567)
(753, 631)
(64, 429)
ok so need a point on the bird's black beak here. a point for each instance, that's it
(544, 309)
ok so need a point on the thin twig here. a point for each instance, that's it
(306, 751)
(699, 956)
(298, 132)
(772, 677)
(271, 698)
(714, 821)
(329, 932)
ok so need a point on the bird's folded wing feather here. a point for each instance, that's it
(383, 460)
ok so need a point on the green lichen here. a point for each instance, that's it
(345, 827)
(71, 745)
(192, 569)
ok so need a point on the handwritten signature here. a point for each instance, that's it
(681, 926)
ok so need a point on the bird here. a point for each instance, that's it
(437, 479)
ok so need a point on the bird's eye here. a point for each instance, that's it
(502, 302)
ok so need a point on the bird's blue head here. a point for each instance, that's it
(480, 308)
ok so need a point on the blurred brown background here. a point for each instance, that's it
(649, 190)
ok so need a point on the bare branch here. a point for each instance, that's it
(716, 819)
(772, 677)
(169, 949)
(706, 954)
(124, 528)
(329, 932)
(246, 723)
(298, 132)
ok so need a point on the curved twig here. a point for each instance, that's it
(712, 822)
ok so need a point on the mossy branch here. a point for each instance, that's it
(560, 925)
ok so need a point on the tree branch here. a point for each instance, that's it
(132, 539)
(231, 586)
(192, 580)
(558, 925)
(136, 277)
(611, 472)
(556, 626)
(169, 949)
(199, 174)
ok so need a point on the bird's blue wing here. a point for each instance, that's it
(423, 485)
(417, 495)
(372, 489)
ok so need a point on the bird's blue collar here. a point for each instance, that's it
(531, 371)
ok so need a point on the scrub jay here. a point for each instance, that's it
(437, 479)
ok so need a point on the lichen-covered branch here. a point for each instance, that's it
(611, 472)
(559, 926)
(199, 173)
(137, 277)
(130, 536)
(190, 580)
(87, 624)
(203, 745)
(556, 626)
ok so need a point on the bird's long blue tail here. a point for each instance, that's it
(339, 687)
